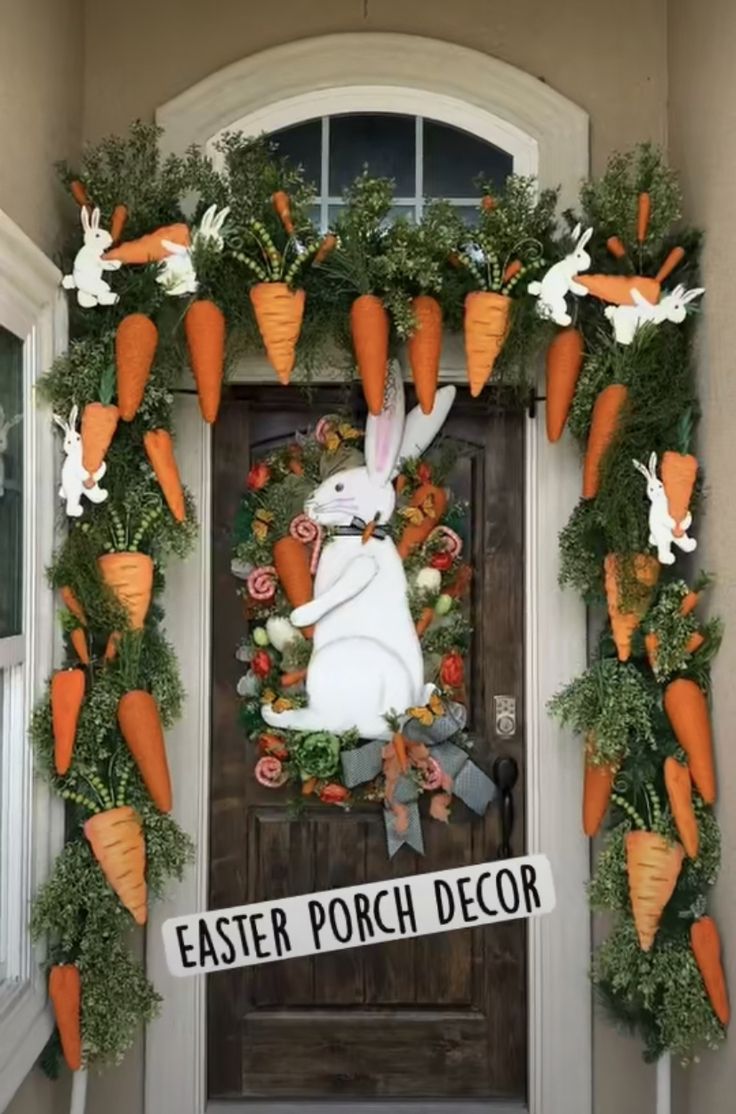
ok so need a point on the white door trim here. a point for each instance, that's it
(551, 140)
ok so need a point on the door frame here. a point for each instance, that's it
(550, 139)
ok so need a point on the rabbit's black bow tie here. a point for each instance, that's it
(358, 528)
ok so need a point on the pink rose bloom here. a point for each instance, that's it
(270, 772)
(432, 775)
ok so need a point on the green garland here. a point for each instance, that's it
(83, 921)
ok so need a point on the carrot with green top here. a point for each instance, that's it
(65, 993)
(67, 697)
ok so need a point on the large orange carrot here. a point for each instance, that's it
(687, 711)
(643, 209)
(679, 472)
(428, 503)
(369, 325)
(680, 793)
(160, 451)
(116, 839)
(424, 348)
(597, 788)
(99, 423)
(78, 639)
(616, 289)
(328, 245)
(486, 327)
(65, 992)
(673, 260)
(130, 578)
(563, 364)
(150, 248)
(71, 601)
(645, 570)
(603, 426)
(653, 866)
(140, 725)
(136, 339)
(706, 945)
(204, 326)
(282, 206)
(291, 561)
(279, 311)
(67, 697)
(616, 248)
(117, 222)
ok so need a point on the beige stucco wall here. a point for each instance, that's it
(702, 122)
(41, 52)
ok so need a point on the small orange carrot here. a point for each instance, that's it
(705, 942)
(369, 325)
(616, 248)
(512, 270)
(116, 839)
(328, 245)
(72, 603)
(486, 326)
(282, 205)
(205, 327)
(65, 993)
(653, 866)
(645, 570)
(279, 312)
(78, 639)
(679, 472)
(673, 260)
(597, 788)
(687, 711)
(294, 678)
(400, 749)
(643, 209)
(488, 203)
(563, 363)
(308, 786)
(140, 726)
(424, 621)
(680, 793)
(603, 427)
(136, 340)
(67, 697)
(117, 222)
(99, 423)
(689, 603)
(160, 452)
(79, 193)
(424, 349)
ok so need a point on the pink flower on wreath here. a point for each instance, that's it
(432, 775)
(270, 772)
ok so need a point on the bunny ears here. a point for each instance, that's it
(391, 439)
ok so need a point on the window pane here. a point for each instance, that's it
(394, 212)
(11, 483)
(383, 142)
(302, 145)
(453, 158)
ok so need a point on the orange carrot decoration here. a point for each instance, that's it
(426, 508)
(150, 248)
(291, 561)
(653, 866)
(687, 711)
(140, 726)
(643, 209)
(680, 793)
(486, 326)
(281, 204)
(563, 364)
(328, 245)
(369, 325)
(204, 326)
(72, 603)
(136, 340)
(597, 788)
(67, 696)
(399, 743)
(117, 222)
(616, 248)
(673, 260)
(160, 451)
(679, 472)
(65, 993)
(78, 639)
(424, 621)
(645, 570)
(689, 603)
(706, 946)
(603, 427)
(79, 193)
(99, 423)
(424, 348)
(129, 576)
(294, 678)
(512, 270)
(116, 839)
(279, 312)
(616, 289)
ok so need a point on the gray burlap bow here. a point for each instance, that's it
(469, 783)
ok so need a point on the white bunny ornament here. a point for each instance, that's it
(86, 277)
(626, 320)
(366, 659)
(177, 274)
(74, 476)
(661, 523)
(559, 281)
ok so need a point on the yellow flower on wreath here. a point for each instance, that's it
(336, 436)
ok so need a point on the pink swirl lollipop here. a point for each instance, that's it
(261, 583)
(453, 543)
(310, 533)
(322, 428)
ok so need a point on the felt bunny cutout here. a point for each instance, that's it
(559, 281)
(5, 428)
(74, 476)
(670, 307)
(367, 660)
(661, 523)
(86, 277)
(177, 274)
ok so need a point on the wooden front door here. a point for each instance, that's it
(443, 1017)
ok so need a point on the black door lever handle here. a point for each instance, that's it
(505, 775)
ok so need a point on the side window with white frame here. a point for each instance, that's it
(32, 332)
